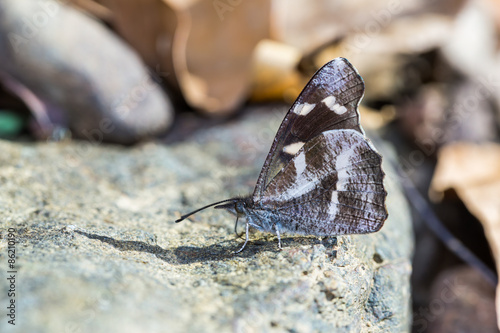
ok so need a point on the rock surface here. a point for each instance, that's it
(97, 249)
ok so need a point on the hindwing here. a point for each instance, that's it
(332, 186)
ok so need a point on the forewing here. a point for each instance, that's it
(332, 186)
(329, 101)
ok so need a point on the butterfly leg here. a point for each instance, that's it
(236, 228)
(278, 234)
(246, 239)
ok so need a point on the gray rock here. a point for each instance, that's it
(98, 250)
(73, 72)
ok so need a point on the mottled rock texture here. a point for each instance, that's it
(98, 250)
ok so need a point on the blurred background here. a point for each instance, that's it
(123, 72)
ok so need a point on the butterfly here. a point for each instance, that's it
(322, 176)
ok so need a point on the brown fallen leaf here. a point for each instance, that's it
(94, 8)
(473, 171)
(309, 25)
(275, 72)
(473, 47)
(205, 47)
(213, 51)
(376, 119)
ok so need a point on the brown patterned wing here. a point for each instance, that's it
(332, 186)
(329, 101)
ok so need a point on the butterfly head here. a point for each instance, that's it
(239, 206)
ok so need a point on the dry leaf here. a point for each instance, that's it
(309, 25)
(473, 171)
(473, 50)
(381, 56)
(213, 51)
(275, 72)
(376, 119)
(93, 8)
(375, 36)
(203, 47)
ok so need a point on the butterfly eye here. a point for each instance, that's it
(240, 207)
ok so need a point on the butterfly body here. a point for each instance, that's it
(322, 176)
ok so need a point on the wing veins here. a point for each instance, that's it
(350, 215)
(337, 204)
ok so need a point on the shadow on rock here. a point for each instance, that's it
(220, 251)
(166, 255)
(179, 255)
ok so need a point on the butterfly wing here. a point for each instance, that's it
(329, 101)
(332, 186)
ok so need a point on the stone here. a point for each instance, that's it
(72, 72)
(97, 248)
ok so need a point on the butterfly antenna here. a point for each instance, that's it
(183, 217)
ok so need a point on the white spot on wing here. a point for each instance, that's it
(298, 108)
(331, 103)
(304, 182)
(300, 163)
(302, 186)
(342, 165)
(303, 109)
(293, 148)
(307, 108)
(333, 208)
(339, 109)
